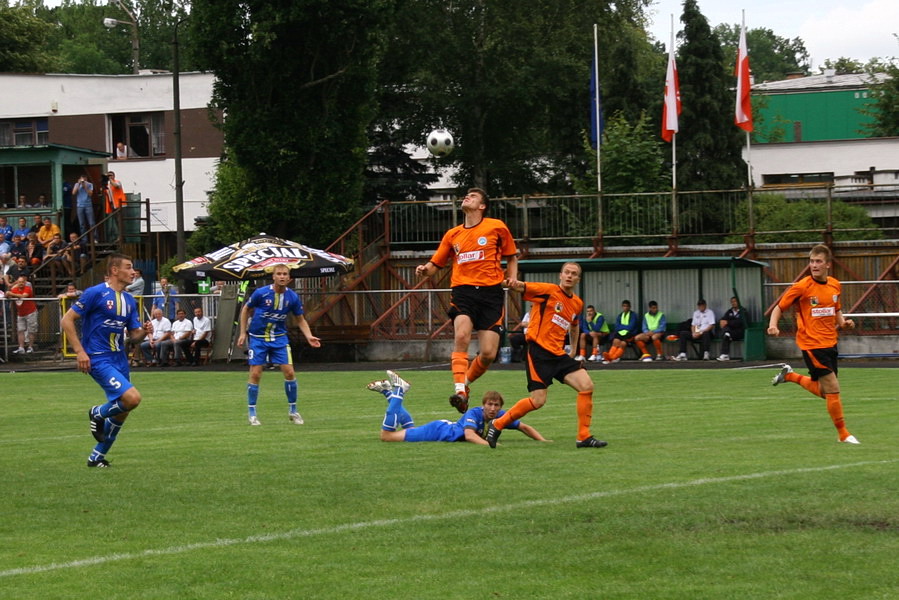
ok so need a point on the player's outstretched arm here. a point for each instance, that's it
(68, 326)
(531, 432)
(303, 324)
(774, 320)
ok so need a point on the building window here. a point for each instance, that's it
(27, 132)
(142, 133)
(797, 178)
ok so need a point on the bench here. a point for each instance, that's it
(335, 339)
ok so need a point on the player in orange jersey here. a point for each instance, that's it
(816, 301)
(475, 249)
(555, 310)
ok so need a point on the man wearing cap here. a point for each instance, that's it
(701, 328)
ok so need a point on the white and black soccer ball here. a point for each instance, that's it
(440, 142)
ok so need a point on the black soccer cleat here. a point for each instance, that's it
(459, 401)
(97, 424)
(492, 434)
(99, 464)
(592, 442)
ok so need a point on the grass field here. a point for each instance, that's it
(714, 485)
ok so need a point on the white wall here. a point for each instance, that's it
(67, 95)
(842, 157)
(155, 179)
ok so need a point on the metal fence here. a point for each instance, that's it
(646, 218)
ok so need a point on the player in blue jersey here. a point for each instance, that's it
(398, 425)
(263, 321)
(108, 313)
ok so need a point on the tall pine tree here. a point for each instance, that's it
(708, 143)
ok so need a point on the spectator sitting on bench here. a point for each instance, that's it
(627, 325)
(733, 327)
(654, 326)
(701, 328)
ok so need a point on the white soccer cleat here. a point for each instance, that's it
(782, 376)
(850, 439)
(398, 382)
(580, 358)
(723, 358)
(296, 418)
(594, 358)
(379, 386)
(682, 357)
(254, 421)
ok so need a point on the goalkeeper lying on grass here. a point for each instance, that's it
(398, 425)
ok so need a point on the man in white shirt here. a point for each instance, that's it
(202, 332)
(701, 328)
(162, 331)
(182, 334)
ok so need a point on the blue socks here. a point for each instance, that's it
(110, 409)
(111, 430)
(396, 415)
(252, 396)
(290, 388)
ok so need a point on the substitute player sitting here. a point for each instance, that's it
(398, 425)
(263, 320)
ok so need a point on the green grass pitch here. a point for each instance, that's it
(714, 485)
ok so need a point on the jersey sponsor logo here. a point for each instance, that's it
(271, 316)
(824, 311)
(472, 256)
(561, 321)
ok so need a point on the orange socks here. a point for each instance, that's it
(835, 408)
(806, 382)
(658, 345)
(477, 368)
(459, 364)
(615, 352)
(518, 410)
(584, 414)
(642, 346)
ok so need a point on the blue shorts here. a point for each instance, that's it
(436, 431)
(261, 352)
(112, 373)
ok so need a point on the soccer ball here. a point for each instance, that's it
(440, 142)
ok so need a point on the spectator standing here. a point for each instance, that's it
(136, 287)
(166, 298)
(475, 249)
(201, 333)
(701, 327)
(114, 200)
(26, 314)
(83, 191)
(151, 346)
(76, 253)
(819, 317)
(627, 325)
(733, 327)
(56, 257)
(654, 326)
(19, 268)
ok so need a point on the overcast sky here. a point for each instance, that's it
(859, 29)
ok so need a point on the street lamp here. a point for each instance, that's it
(176, 133)
(111, 23)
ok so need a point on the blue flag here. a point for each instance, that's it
(595, 107)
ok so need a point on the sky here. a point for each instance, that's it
(859, 29)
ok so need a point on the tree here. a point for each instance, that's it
(708, 143)
(884, 107)
(771, 56)
(392, 174)
(843, 66)
(296, 80)
(510, 80)
(22, 40)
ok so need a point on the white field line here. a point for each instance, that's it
(455, 514)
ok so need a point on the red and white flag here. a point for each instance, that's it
(743, 111)
(671, 108)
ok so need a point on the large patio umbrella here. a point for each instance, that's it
(254, 258)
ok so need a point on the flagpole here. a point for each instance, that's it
(673, 135)
(596, 109)
(748, 143)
